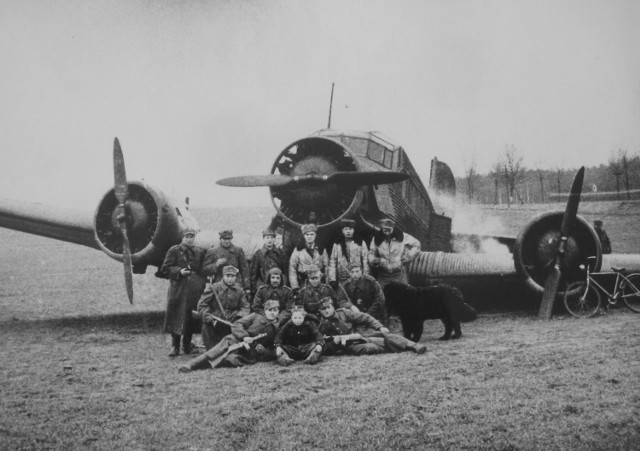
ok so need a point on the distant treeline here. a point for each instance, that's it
(544, 185)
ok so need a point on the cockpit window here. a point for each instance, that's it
(376, 152)
(357, 145)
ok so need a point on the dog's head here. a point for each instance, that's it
(395, 295)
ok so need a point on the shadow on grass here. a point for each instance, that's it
(140, 322)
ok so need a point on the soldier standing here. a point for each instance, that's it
(183, 267)
(349, 248)
(391, 251)
(304, 256)
(227, 254)
(602, 235)
(269, 256)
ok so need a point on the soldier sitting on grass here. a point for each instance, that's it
(373, 337)
(298, 339)
(262, 324)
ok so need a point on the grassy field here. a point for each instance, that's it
(82, 369)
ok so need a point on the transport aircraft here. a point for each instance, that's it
(323, 178)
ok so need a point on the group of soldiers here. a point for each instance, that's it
(286, 308)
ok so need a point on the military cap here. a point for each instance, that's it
(354, 265)
(313, 271)
(325, 302)
(386, 222)
(275, 270)
(271, 303)
(309, 228)
(230, 269)
(189, 231)
(597, 222)
(347, 223)
(268, 232)
(226, 234)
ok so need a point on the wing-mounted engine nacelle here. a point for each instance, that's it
(154, 224)
(319, 201)
(536, 246)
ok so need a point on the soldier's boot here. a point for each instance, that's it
(175, 345)
(313, 357)
(416, 347)
(186, 344)
(285, 360)
(200, 362)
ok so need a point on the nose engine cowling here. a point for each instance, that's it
(154, 224)
(535, 248)
(322, 203)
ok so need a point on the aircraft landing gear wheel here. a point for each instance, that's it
(631, 292)
(580, 302)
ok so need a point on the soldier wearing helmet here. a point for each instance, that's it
(274, 289)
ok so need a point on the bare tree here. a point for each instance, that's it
(541, 175)
(620, 165)
(470, 174)
(510, 166)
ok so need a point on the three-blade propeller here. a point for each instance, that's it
(568, 221)
(339, 178)
(121, 190)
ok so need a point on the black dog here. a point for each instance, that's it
(415, 304)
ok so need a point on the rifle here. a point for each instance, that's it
(346, 338)
(243, 344)
(195, 315)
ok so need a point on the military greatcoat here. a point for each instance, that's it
(184, 291)
(234, 256)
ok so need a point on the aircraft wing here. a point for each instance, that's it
(63, 224)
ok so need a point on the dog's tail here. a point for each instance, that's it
(460, 309)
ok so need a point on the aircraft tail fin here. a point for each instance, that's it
(441, 180)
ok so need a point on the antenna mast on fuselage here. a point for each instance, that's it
(330, 106)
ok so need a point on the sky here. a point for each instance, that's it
(201, 90)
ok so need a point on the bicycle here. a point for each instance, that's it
(582, 298)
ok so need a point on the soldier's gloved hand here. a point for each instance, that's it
(384, 330)
(185, 271)
(279, 351)
(221, 261)
(318, 348)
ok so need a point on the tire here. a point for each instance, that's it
(579, 303)
(631, 292)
